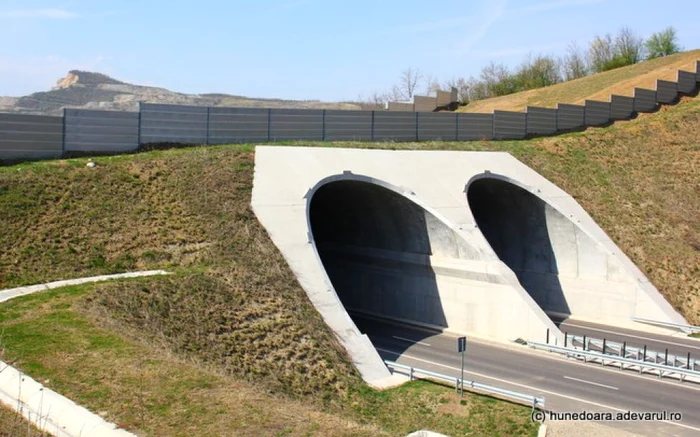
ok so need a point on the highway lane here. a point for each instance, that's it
(567, 385)
(676, 345)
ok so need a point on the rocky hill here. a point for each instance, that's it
(88, 90)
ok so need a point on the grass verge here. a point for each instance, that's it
(150, 391)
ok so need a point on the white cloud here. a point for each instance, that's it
(55, 14)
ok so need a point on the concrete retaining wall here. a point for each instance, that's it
(238, 125)
(570, 116)
(666, 91)
(687, 82)
(396, 126)
(644, 100)
(621, 107)
(101, 131)
(437, 126)
(597, 113)
(30, 136)
(348, 125)
(424, 103)
(296, 124)
(173, 124)
(400, 106)
(509, 125)
(542, 121)
(473, 126)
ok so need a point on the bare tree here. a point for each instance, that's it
(432, 85)
(574, 63)
(537, 72)
(600, 53)
(410, 78)
(662, 44)
(462, 87)
(628, 47)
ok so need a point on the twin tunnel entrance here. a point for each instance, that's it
(381, 250)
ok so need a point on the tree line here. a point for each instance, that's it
(604, 53)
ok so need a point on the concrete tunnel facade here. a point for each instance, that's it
(475, 243)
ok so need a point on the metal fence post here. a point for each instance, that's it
(371, 129)
(457, 133)
(63, 134)
(208, 116)
(139, 127)
(417, 126)
(323, 125)
(269, 122)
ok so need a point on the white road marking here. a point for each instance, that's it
(410, 341)
(591, 382)
(633, 336)
(530, 387)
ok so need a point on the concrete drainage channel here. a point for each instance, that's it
(46, 409)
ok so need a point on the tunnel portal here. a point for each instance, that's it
(517, 225)
(376, 246)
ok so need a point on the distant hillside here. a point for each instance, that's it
(88, 90)
(620, 81)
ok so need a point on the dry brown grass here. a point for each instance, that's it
(14, 425)
(621, 81)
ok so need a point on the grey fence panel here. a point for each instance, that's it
(686, 82)
(509, 125)
(542, 121)
(666, 91)
(424, 103)
(437, 126)
(570, 116)
(30, 136)
(173, 124)
(397, 126)
(296, 124)
(101, 131)
(621, 107)
(237, 125)
(474, 126)
(597, 113)
(644, 100)
(348, 125)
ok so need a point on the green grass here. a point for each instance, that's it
(53, 337)
(235, 308)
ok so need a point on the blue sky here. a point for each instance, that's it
(303, 49)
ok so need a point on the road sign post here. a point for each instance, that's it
(462, 348)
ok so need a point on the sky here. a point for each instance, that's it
(303, 49)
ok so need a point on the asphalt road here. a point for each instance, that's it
(567, 385)
(679, 346)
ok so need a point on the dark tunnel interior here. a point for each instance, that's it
(373, 244)
(514, 222)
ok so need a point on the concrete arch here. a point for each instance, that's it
(478, 293)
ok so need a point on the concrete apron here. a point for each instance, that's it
(46, 409)
(475, 242)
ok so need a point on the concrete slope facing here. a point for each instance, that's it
(472, 242)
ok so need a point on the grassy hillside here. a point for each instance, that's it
(235, 308)
(620, 81)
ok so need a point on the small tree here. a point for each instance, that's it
(408, 84)
(600, 53)
(574, 63)
(538, 72)
(628, 48)
(662, 44)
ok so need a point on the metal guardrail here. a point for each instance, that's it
(682, 327)
(416, 373)
(637, 353)
(661, 369)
